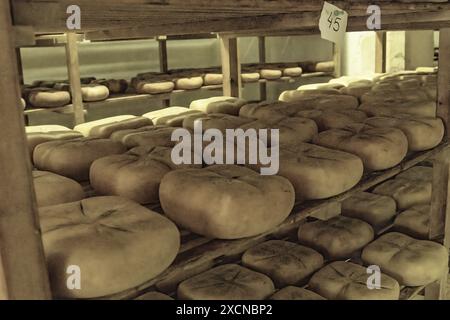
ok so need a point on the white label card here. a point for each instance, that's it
(333, 23)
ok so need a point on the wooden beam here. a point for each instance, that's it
(380, 52)
(163, 61)
(73, 70)
(23, 271)
(337, 58)
(262, 59)
(231, 67)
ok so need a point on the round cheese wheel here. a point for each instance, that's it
(114, 86)
(93, 92)
(267, 110)
(378, 148)
(103, 128)
(348, 281)
(417, 108)
(337, 238)
(227, 105)
(212, 79)
(153, 87)
(406, 193)
(270, 74)
(377, 210)
(333, 119)
(226, 282)
(410, 261)
(319, 101)
(215, 121)
(286, 263)
(248, 203)
(414, 222)
(48, 98)
(135, 175)
(423, 133)
(326, 87)
(250, 76)
(150, 136)
(295, 293)
(54, 189)
(40, 134)
(171, 116)
(106, 238)
(356, 90)
(73, 158)
(188, 83)
(23, 103)
(420, 173)
(292, 72)
(154, 295)
(317, 172)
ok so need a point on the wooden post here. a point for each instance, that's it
(380, 52)
(163, 60)
(23, 271)
(337, 58)
(19, 66)
(73, 70)
(262, 59)
(231, 67)
(440, 202)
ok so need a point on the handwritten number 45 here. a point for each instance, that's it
(334, 22)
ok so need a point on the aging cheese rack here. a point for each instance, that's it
(113, 19)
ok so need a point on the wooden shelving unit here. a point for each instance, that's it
(114, 20)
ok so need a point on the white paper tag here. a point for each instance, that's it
(333, 23)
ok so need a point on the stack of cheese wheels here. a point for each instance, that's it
(423, 133)
(115, 86)
(295, 293)
(286, 263)
(105, 127)
(292, 72)
(414, 221)
(379, 148)
(172, 116)
(250, 76)
(226, 282)
(112, 241)
(410, 261)
(227, 105)
(94, 92)
(48, 98)
(218, 121)
(377, 210)
(149, 86)
(146, 136)
(270, 74)
(349, 281)
(333, 119)
(240, 202)
(189, 83)
(337, 238)
(135, 175)
(291, 130)
(73, 158)
(40, 134)
(212, 79)
(317, 172)
(54, 189)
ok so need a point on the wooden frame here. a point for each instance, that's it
(231, 66)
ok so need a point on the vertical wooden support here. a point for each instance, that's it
(163, 60)
(73, 70)
(19, 66)
(23, 271)
(262, 59)
(337, 58)
(380, 52)
(440, 202)
(231, 67)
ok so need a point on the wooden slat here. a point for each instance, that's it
(337, 58)
(231, 67)
(262, 59)
(23, 271)
(380, 52)
(73, 70)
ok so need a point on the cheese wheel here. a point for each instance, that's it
(337, 238)
(226, 282)
(346, 81)
(286, 263)
(103, 128)
(212, 79)
(154, 295)
(150, 136)
(414, 222)
(107, 238)
(115, 86)
(40, 134)
(218, 121)
(93, 92)
(348, 281)
(330, 119)
(270, 74)
(250, 76)
(23, 103)
(135, 175)
(48, 98)
(423, 133)
(390, 95)
(54, 189)
(411, 262)
(227, 105)
(295, 293)
(249, 203)
(292, 72)
(419, 173)
(406, 193)
(356, 90)
(378, 148)
(319, 101)
(153, 87)
(326, 87)
(171, 116)
(267, 110)
(73, 158)
(318, 172)
(377, 210)
(417, 108)
(188, 83)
